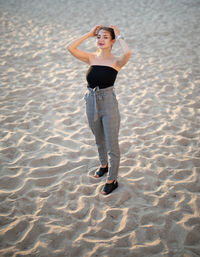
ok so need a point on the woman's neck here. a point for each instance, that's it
(105, 54)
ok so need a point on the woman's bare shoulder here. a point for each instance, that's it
(92, 57)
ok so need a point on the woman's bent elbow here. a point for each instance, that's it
(68, 47)
(128, 55)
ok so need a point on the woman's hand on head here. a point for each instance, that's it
(116, 30)
(93, 32)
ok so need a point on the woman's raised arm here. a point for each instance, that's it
(73, 46)
(122, 60)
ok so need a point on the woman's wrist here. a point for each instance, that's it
(118, 37)
(89, 34)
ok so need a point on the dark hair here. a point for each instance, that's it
(112, 33)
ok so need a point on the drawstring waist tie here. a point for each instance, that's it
(98, 94)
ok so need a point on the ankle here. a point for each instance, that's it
(104, 166)
(111, 181)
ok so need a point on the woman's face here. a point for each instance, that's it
(104, 39)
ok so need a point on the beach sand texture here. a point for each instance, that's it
(50, 204)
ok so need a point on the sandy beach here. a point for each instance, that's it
(50, 203)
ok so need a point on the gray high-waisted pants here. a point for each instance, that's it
(104, 121)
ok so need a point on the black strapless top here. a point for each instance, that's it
(101, 76)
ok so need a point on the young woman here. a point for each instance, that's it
(101, 103)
